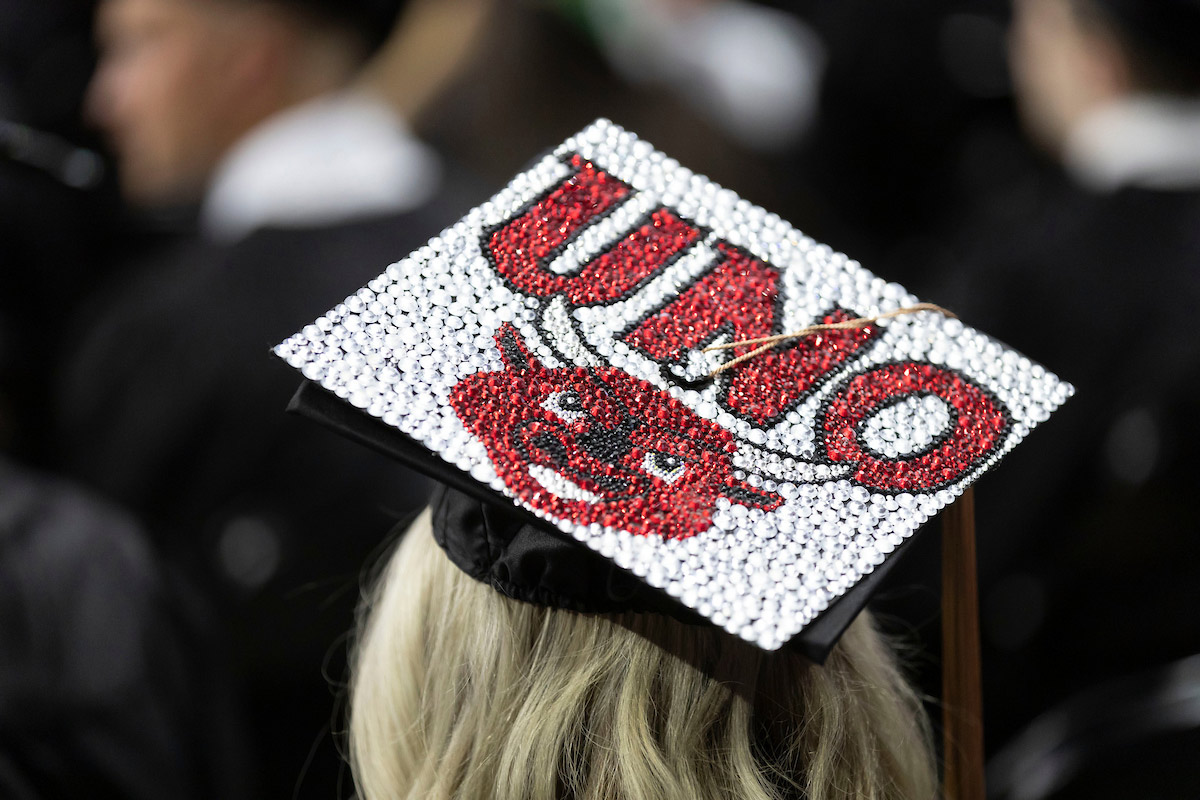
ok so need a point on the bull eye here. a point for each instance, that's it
(565, 404)
(669, 468)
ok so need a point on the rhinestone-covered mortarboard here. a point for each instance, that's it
(552, 350)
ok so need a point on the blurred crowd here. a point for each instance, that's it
(184, 183)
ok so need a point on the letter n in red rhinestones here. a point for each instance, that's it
(740, 298)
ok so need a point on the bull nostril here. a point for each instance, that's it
(553, 448)
(609, 445)
(553, 451)
(611, 483)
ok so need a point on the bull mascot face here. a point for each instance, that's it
(597, 445)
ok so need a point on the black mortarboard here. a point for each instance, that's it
(550, 356)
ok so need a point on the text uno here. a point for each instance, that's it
(739, 297)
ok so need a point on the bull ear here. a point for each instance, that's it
(514, 352)
(744, 494)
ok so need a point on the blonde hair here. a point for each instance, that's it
(460, 692)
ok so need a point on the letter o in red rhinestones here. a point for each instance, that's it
(979, 428)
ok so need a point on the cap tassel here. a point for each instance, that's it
(765, 343)
(962, 693)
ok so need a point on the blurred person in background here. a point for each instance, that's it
(248, 115)
(113, 681)
(1096, 272)
(1112, 89)
(752, 71)
(55, 205)
(726, 87)
(111, 687)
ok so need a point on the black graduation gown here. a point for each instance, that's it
(174, 405)
(110, 683)
(1089, 547)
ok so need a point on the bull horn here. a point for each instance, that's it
(783, 467)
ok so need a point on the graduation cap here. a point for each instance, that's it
(655, 395)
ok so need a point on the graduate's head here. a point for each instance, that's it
(179, 81)
(635, 577)
(1070, 57)
(459, 691)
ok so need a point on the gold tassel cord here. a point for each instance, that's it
(765, 343)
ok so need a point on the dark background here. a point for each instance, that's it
(916, 166)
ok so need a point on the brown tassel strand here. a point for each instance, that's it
(962, 693)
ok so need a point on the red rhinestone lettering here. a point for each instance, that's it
(979, 426)
(740, 296)
(522, 248)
